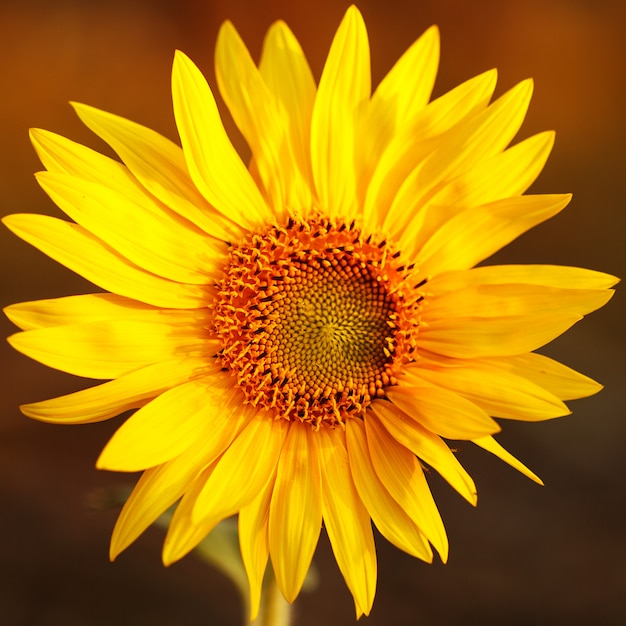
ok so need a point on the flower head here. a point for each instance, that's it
(300, 336)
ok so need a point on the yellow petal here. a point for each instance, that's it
(254, 543)
(344, 85)
(157, 489)
(402, 93)
(85, 254)
(469, 338)
(243, 471)
(504, 175)
(427, 446)
(491, 445)
(441, 411)
(497, 391)
(107, 400)
(390, 519)
(93, 307)
(483, 136)
(558, 379)
(507, 174)
(287, 74)
(548, 275)
(386, 207)
(109, 349)
(213, 162)
(199, 410)
(506, 300)
(406, 88)
(159, 164)
(64, 156)
(347, 520)
(153, 239)
(400, 472)
(258, 116)
(475, 234)
(183, 534)
(296, 510)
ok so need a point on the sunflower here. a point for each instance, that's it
(300, 337)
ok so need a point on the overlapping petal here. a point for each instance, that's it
(390, 518)
(79, 250)
(261, 120)
(442, 412)
(479, 138)
(496, 390)
(408, 149)
(151, 437)
(467, 238)
(130, 391)
(139, 230)
(427, 446)
(109, 349)
(505, 175)
(160, 486)
(171, 191)
(184, 533)
(233, 484)
(401, 474)
(215, 167)
(562, 381)
(399, 98)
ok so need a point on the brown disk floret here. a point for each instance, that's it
(315, 320)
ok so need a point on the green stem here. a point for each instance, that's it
(274, 609)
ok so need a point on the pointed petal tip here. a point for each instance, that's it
(489, 76)
(14, 340)
(167, 558)
(432, 31)
(226, 27)
(9, 221)
(353, 11)
(115, 549)
(473, 498)
(81, 109)
(29, 411)
(12, 313)
(101, 463)
(443, 550)
(36, 134)
(353, 18)
(227, 35)
(115, 462)
(289, 594)
(180, 57)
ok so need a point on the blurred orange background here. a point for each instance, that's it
(527, 555)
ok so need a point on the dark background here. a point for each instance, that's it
(527, 555)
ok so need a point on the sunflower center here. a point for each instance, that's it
(314, 320)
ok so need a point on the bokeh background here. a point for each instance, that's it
(527, 555)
